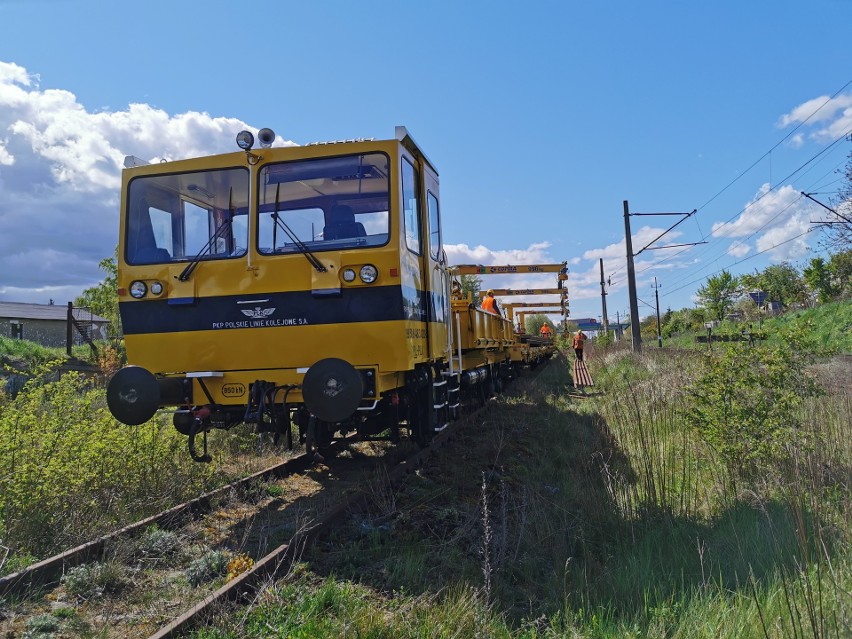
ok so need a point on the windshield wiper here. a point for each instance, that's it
(303, 249)
(187, 272)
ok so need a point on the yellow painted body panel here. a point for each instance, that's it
(275, 354)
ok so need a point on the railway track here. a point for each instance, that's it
(45, 574)
(242, 519)
(244, 588)
(286, 522)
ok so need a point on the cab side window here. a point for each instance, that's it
(410, 206)
(434, 227)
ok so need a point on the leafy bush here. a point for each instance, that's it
(208, 567)
(94, 580)
(604, 339)
(745, 405)
(238, 565)
(70, 470)
(158, 544)
(41, 626)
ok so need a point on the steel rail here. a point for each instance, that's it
(245, 586)
(46, 573)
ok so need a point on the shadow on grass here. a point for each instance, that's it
(521, 507)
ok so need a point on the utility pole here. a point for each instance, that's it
(603, 301)
(657, 295)
(631, 273)
(631, 284)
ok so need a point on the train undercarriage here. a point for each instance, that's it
(431, 398)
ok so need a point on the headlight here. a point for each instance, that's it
(138, 289)
(156, 288)
(245, 140)
(348, 275)
(369, 273)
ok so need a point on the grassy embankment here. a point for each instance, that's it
(554, 516)
(23, 354)
(69, 471)
(828, 327)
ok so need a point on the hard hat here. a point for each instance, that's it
(490, 291)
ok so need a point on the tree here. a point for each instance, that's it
(781, 282)
(840, 269)
(103, 298)
(818, 277)
(471, 285)
(838, 234)
(648, 328)
(533, 323)
(718, 294)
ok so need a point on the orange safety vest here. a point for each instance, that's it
(545, 330)
(579, 340)
(489, 304)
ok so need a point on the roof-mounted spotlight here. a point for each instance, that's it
(245, 140)
(266, 137)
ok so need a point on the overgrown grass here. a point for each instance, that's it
(601, 517)
(70, 472)
(25, 353)
(826, 328)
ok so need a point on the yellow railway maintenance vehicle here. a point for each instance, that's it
(528, 350)
(300, 285)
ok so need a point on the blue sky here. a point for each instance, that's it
(541, 118)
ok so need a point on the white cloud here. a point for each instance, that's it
(537, 253)
(786, 242)
(767, 210)
(534, 254)
(739, 249)
(5, 157)
(60, 169)
(831, 121)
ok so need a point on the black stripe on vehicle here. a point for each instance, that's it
(268, 310)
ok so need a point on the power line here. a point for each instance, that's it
(745, 259)
(751, 235)
(772, 188)
(832, 170)
(718, 255)
(784, 139)
(750, 204)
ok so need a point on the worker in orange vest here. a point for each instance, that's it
(545, 330)
(489, 304)
(578, 343)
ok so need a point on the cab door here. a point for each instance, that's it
(414, 261)
(437, 279)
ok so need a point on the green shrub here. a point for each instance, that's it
(158, 544)
(15, 562)
(94, 580)
(745, 405)
(604, 339)
(70, 470)
(65, 612)
(41, 626)
(208, 567)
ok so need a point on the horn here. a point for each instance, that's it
(266, 137)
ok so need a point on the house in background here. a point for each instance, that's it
(47, 324)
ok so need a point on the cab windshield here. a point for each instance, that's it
(324, 204)
(175, 218)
